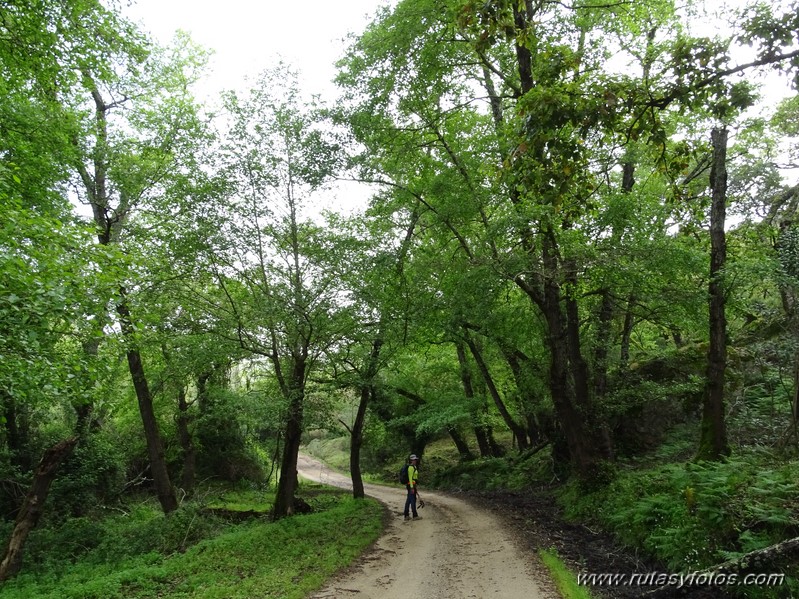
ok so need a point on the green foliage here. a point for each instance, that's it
(694, 515)
(108, 538)
(93, 474)
(788, 253)
(49, 295)
(191, 553)
(634, 393)
(225, 451)
(514, 472)
(334, 452)
(223, 259)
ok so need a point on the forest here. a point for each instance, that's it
(577, 269)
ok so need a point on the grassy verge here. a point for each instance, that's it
(252, 558)
(564, 579)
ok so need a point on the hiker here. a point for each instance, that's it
(413, 477)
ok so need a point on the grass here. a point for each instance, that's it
(564, 579)
(256, 558)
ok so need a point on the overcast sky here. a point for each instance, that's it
(249, 35)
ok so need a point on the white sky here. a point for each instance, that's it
(248, 36)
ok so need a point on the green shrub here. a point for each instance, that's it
(256, 558)
(511, 472)
(223, 449)
(695, 515)
(103, 539)
(92, 475)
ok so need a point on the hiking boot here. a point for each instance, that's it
(417, 517)
(407, 518)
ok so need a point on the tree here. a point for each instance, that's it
(448, 172)
(53, 287)
(523, 142)
(713, 441)
(123, 165)
(267, 258)
(371, 261)
(33, 506)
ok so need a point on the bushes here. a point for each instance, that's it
(694, 515)
(103, 539)
(93, 474)
(512, 472)
(225, 450)
(192, 554)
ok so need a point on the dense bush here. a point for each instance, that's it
(107, 539)
(224, 447)
(511, 472)
(93, 475)
(694, 515)
(194, 552)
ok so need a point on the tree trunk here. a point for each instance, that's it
(606, 312)
(16, 433)
(518, 430)
(601, 440)
(578, 366)
(483, 444)
(356, 442)
(187, 443)
(795, 399)
(520, 365)
(287, 482)
(33, 506)
(571, 422)
(356, 434)
(372, 368)
(84, 408)
(460, 443)
(713, 440)
(109, 223)
(152, 434)
(573, 410)
(482, 432)
(626, 334)
(602, 344)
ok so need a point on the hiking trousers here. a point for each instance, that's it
(410, 502)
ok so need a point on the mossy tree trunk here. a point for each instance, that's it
(713, 440)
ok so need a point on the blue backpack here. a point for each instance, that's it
(403, 475)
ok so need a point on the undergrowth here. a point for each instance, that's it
(686, 515)
(694, 515)
(196, 553)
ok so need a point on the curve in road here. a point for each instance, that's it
(453, 551)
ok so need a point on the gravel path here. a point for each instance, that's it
(455, 550)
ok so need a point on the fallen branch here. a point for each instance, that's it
(754, 561)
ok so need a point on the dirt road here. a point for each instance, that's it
(454, 551)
